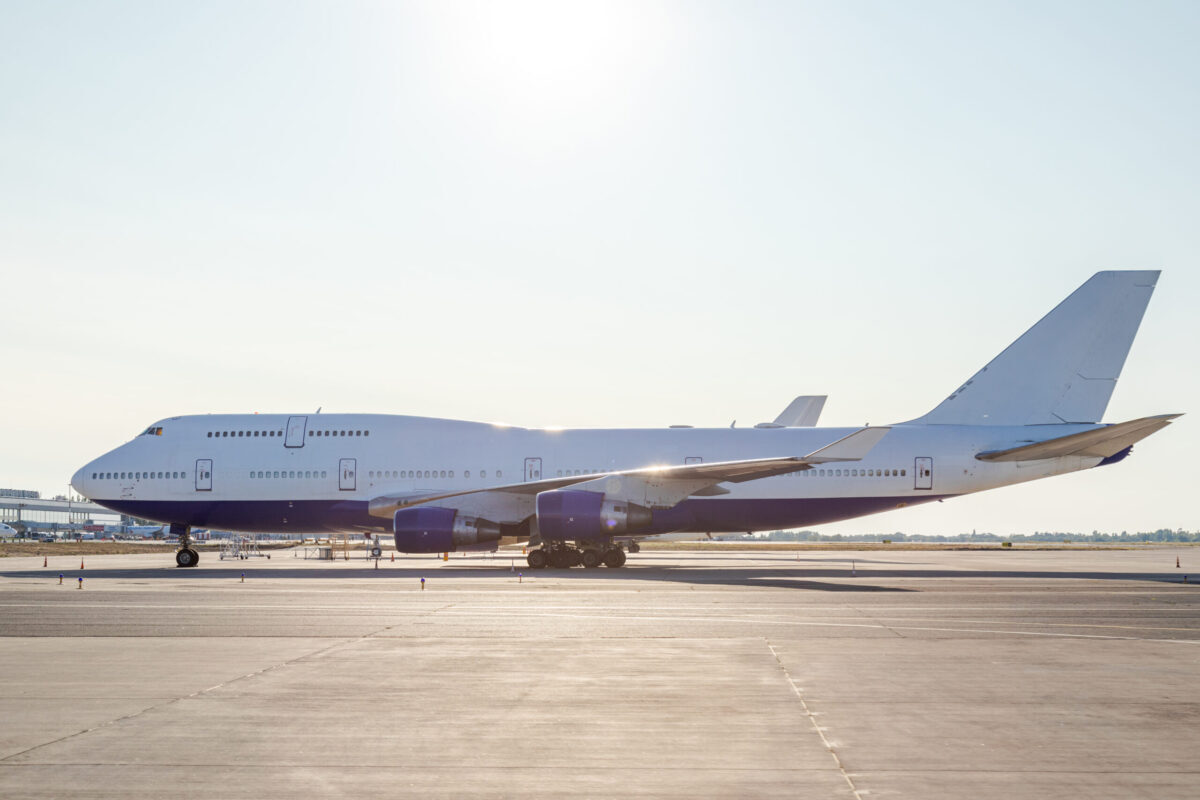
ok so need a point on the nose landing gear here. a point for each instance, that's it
(185, 556)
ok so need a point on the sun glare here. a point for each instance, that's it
(545, 72)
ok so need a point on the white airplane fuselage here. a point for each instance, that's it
(244, 472)
(1031, 412)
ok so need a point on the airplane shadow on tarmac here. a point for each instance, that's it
(801, 576)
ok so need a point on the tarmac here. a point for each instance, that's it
(906, 674)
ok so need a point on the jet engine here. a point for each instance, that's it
(440, 530)
(575, 514)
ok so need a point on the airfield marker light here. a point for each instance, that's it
(520, 577)
(422, 584)
(852, 570)
(243, 577)
(60, 579)
(445, 556)
(80, 581)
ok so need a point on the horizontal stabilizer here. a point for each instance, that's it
(1099, 443)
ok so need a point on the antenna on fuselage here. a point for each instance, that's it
(733, 424)
(318, 409)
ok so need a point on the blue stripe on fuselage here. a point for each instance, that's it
(320, 516)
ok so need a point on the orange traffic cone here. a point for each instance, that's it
(44, 560)
(1176, 562)
(393, 558)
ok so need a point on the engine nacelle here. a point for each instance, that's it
(440, 530)
(575, 514)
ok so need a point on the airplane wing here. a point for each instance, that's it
(655, 486)
(1099, 443)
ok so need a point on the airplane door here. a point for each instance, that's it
(204, 475)
(533, 469)
(923, 473)
(295, 432)
(346, 470)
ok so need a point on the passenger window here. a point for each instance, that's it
(483, 473)
(322, 473)
(451, 473)
(498, 473)
(366, 433)
(210, 434)
(310, 433)
(443, 473)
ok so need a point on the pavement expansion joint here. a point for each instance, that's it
(820, 731)
(343, 642)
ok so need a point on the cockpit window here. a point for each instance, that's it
(153, 431)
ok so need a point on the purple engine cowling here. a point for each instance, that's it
(575, 514)
(439, 530)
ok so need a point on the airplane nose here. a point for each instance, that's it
(77, 481)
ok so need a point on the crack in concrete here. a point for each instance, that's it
(271, 668)
(813, 720)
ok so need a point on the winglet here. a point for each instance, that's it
(849, 448)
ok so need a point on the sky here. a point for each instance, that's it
(627, 214)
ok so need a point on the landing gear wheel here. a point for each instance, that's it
(562, 558)
(614, 557)
(634, 547)
(536, 559)
(591, 558)
(187, 557)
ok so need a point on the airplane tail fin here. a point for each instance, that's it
(1065, 367)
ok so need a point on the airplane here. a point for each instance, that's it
(7, 531)
(438, 485)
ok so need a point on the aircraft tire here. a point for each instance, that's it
(536, 559)
(614, 557)
(187, 557)
(590, 558)
(634, 547)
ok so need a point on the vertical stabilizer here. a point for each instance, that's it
(1065, 367)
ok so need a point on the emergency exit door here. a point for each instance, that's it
(295, 432)
(923, 473)
(204, 475)
(346, 479)
(533, 469)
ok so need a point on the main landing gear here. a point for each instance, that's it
(185, 556)
(564, 556)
